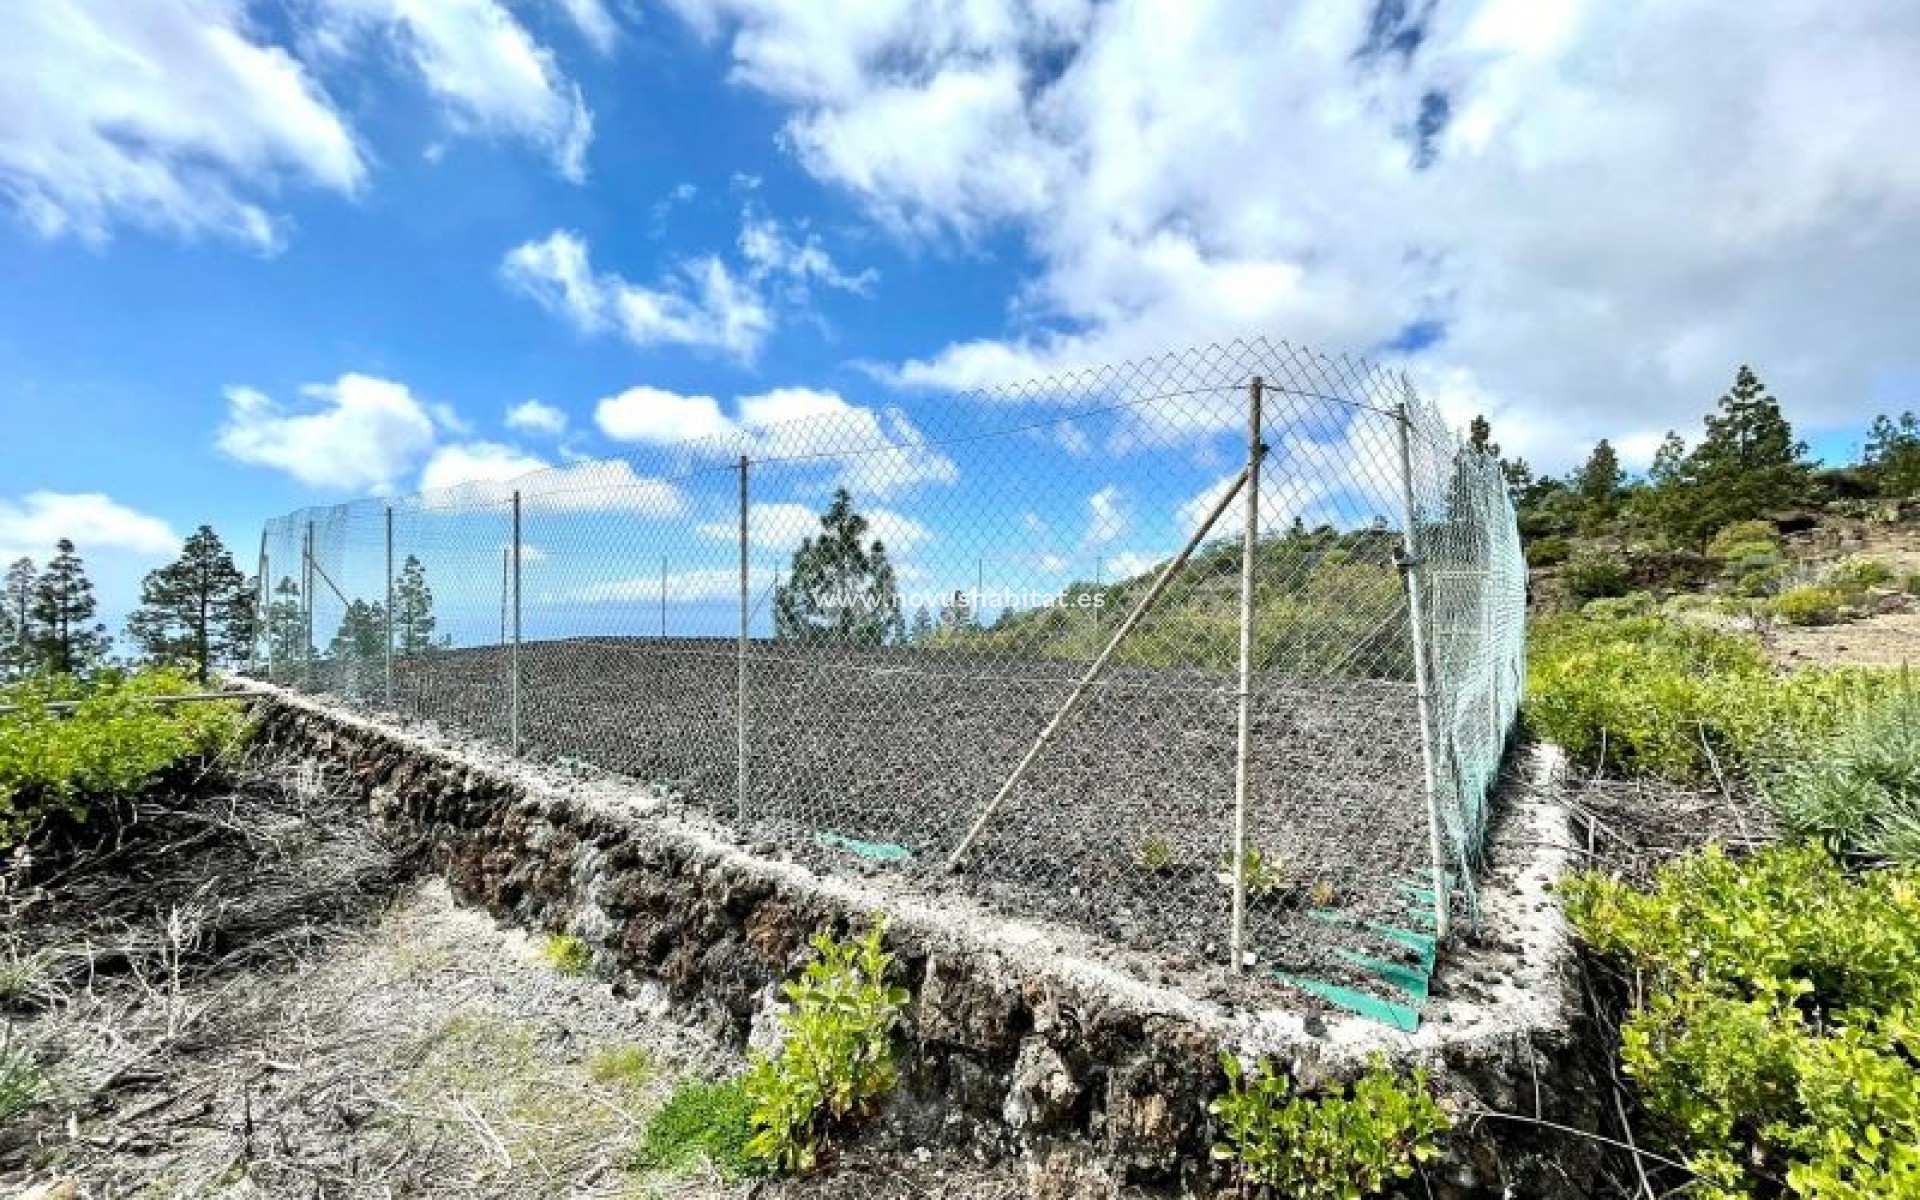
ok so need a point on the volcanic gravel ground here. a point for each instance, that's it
(1119, 828)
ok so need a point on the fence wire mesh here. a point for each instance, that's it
(840, 633)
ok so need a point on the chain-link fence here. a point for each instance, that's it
(1064, 646)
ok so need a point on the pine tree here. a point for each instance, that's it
(198, 609)
(1747, 464)
(412, 609)
(839, 589)
(957, 612)
(922, 631)
(362, 635)
(1480, 437)
(287, 626)
(16, 597)
(61, 638)
(1893, 452)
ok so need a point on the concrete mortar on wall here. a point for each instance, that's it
(1095, 1070)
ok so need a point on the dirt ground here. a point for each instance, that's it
(1118, 828)
(1883, 640)
(288, 1015)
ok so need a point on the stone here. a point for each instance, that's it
(1068, 1171)
(961, 1004)
(1043, 1092)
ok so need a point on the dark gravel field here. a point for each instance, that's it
(1120, 828)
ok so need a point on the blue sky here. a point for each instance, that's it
(262, 255)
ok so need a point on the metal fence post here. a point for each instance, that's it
(389, 620)
(1249, 549)
(306, 597)
(663, 597)
(740, 718)
(260, 610)
(1417, 618)
(513, 689)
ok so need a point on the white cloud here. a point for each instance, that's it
(682, 587)
(357, 433)
(658, 417)
(169, 115)
(488, 475)
(594, 22)
(476, 462)
(481, 63)
(31, 525)
(873, 452)
(532, 416)
(704, 304)
(1176, 189)
(701, 302)
(1108, 516)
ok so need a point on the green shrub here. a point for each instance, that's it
(1911, 585)
(566, 954)
(1860, 795)
(21, 1083)
(1595, 575)
(1335, 1147)
(1775, 1016)
(112, 744)
(1808, 606)
(836, 1055)
(702, 1121)
(1743, 538)
(619, 1066)
(1674, 699)
(1548, 551)
(1854, 575)
(1754, 578)
(1613, 608)
(1264, 874)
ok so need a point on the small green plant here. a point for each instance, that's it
(836, 1054)
(1854, 575)
(1595, 575)
(1613, 608)
(626, 1067)
(1155, 855)
(1807, 605)
(566, 954)
(1323, 894)
(21, 1083)
(1859, 794)
(702, 1121)
(1265, 876)
(1336, 1147)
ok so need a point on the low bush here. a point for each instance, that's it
(111, 744)
(566, 954)
(702, 1121)
(1341, 1146)
(1743, 538)
(1860, 795)
(1775, 1018)
(1807, 605)
(1677, 700)
(1633, 604)
(1854, 575)
(1595, 575)
(836, 1052)
(1548, 551)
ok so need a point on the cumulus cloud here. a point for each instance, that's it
(358, 433)
(487, 71)
(532, 416)
(476, 462)
(169, 115)
(1108, 515)
(702, 302)
(594, 21)
(1597, 228)
(31, 525)
(873, 452)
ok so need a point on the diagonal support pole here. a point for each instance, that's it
(1098, 667)
(1410, 565)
